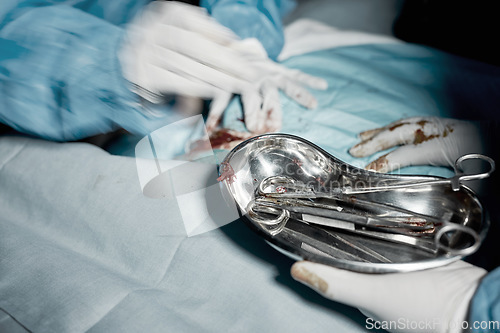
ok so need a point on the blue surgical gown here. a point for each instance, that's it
(260, 19)
(60, 77)
(485, 306)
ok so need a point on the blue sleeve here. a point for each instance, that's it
(260, 19)
(485, 306)
(60, 77)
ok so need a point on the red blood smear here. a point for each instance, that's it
(222, 136)
(216, 139)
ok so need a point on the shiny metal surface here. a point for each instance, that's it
(292, 158)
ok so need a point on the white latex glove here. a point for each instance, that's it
(424, 140)
(434, 300)
(175, 48)
(262, 110)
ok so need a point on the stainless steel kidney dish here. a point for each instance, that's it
(310, 205)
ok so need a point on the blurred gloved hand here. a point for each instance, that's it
(434, 300)
(424, 140)
(261, 106)
(173, 48)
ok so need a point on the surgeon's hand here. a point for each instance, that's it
(423, 140)
(262, 107)
(434, 300)
(173, 48)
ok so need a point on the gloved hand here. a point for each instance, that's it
(425, 140)
(434, 300)
(174, 48)
(262, 107)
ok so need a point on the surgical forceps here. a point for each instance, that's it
(455, 181)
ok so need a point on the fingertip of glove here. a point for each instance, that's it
(317, 83)
(273, 126)
(313, 104)
(314, 82)
(301, 273)
(251, 125)
(381, 164)
(321, 84)
(357, 150)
